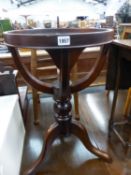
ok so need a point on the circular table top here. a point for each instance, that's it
(58, 38)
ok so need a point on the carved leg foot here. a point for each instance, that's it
(78, 130)
(52, 134)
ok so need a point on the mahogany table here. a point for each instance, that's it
(64, 46)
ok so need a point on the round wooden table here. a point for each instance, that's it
(64, 46)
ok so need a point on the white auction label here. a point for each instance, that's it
(63, 40)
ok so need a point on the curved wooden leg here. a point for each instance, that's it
(52, 134)
(78, 130)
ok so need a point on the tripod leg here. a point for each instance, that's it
(78, 130)
(52, 134)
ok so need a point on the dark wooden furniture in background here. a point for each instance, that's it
(118, 77)
(64, 46)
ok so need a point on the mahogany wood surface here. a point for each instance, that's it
(64, 56)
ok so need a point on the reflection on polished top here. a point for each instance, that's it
(58, 38)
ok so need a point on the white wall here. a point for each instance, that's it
(64, 8)
(113, 6)
(53, 7)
